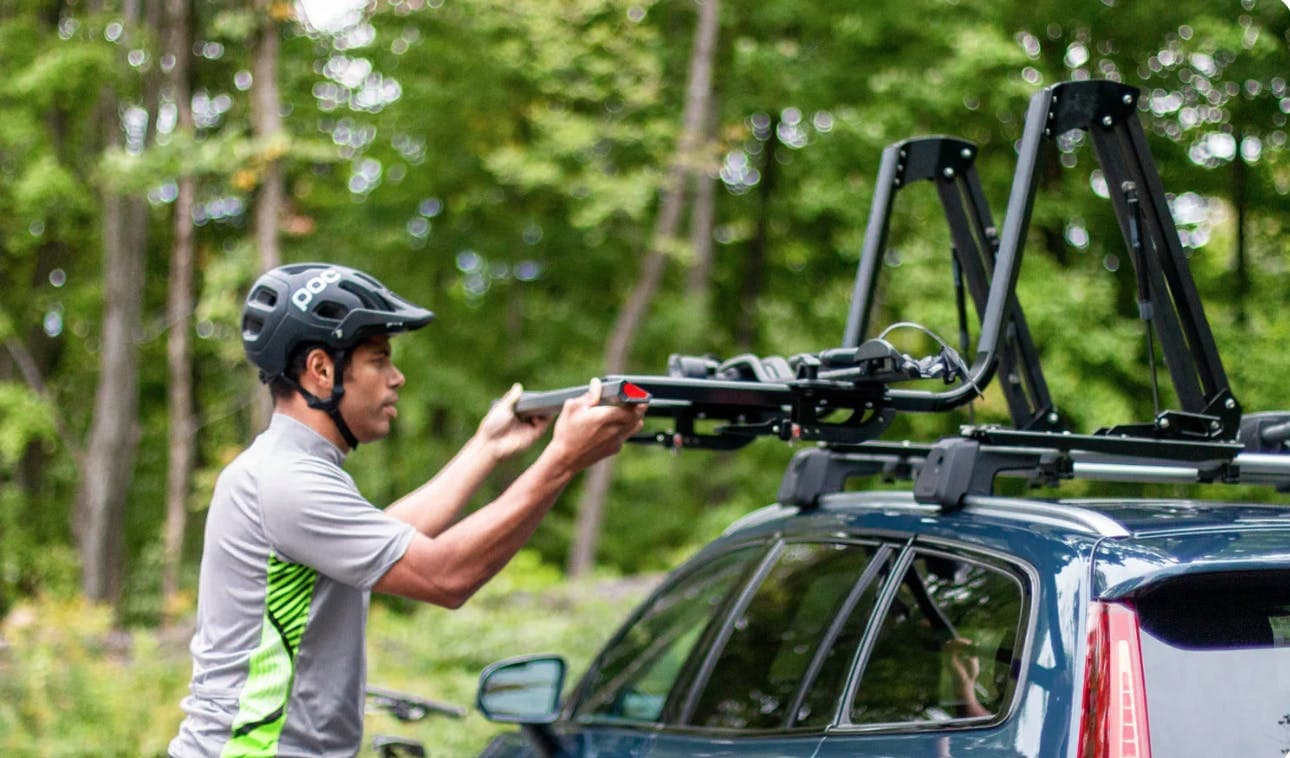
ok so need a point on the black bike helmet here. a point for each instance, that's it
(319, 303)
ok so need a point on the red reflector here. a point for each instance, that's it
(1115, 705)
(632, 392)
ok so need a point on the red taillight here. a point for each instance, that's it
(1115, 697)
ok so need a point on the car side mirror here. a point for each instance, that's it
(523, 690)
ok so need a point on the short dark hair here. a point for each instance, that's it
(284, 385)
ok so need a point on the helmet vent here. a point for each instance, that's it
(264, 296)
(251, 327)
(330, 309)
(370, 299)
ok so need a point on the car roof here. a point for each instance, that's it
(1120, 517)
(1136, 544)
(1145, 518)
(1166, 531)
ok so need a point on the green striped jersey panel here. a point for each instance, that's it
(262, 708)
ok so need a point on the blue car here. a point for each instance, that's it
(872, 624)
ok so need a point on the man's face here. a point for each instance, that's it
(371, 390)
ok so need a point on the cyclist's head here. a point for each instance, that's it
(294, 309)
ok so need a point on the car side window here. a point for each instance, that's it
(633, 676)
(781, 637)
(945, 647)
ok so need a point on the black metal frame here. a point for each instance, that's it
(1167, 294)
(844, 397)
(950, 164)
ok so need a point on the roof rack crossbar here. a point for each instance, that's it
(950, 164)
(954, 468)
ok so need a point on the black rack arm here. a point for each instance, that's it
(950, 164)
(1107, 112)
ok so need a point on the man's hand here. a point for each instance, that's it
(504, 434)
(586, 432)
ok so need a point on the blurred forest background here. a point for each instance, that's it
(575, 187)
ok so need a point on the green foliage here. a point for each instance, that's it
(439, 654)
(72, 683)
(24, 420)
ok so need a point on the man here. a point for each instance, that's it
(292, 549)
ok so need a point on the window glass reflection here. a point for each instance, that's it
(776, 637)
(946, 645)
(633, 676)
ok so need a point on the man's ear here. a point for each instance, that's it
(318, 370)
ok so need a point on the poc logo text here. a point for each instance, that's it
(305, 295)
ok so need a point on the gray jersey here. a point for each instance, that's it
(291, 553)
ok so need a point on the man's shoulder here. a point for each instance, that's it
(269, 468)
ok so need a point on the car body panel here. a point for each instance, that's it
(1070, 552)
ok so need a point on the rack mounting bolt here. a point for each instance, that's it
(1128, 99)
(949, 172)
(1214, 425)
(1107, 121)
(966, 153)
(1163, 423)
(1230, 403)
(1052, 418)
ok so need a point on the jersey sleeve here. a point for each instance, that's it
(315, 516)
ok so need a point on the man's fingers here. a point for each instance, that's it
(593, 391)
(512, 396)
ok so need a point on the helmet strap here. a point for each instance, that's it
(330, 406)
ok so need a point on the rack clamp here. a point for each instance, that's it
(1266, 432)
(825, 470)
(968, 464)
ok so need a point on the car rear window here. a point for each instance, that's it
(1216, 658)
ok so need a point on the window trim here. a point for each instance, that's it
(681, 711)
(886, 551)
(1027, 579)
(764, 544)
(679, 723)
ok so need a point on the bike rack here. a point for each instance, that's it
(1205, 441)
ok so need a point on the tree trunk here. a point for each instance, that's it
(114, 435)
(617, 348)
(266, 125)
(179, 308)
(702, 220)
(99, 520)
(1239, 200)
(754, 279)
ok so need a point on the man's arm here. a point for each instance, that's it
(433, 506)
(446, 570)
